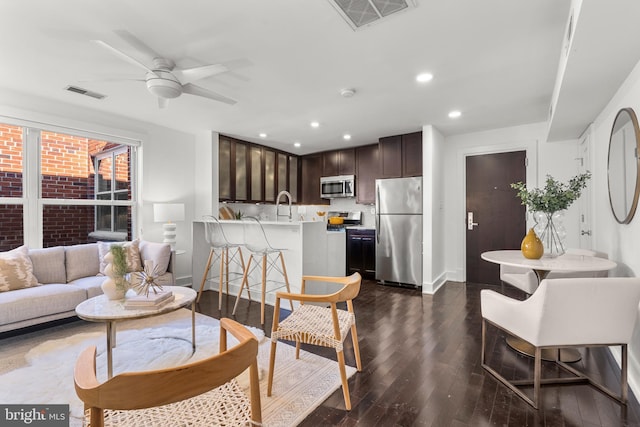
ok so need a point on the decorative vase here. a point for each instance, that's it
(114, 286)
(551, 231)
(531, 246)
(112, 290)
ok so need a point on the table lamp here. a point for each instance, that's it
(168, 213)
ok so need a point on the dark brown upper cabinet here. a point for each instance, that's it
(412, 154)
(401, 155)
(224, 169)
(254, 173)
(391, 156)
(367, 171)
(339, 162)
(311, 166)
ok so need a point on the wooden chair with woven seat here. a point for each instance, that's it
(319, 322)
(203, 393)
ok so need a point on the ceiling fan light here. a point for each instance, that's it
(164, 88)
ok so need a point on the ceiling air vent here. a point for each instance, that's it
(360, 13)
(86, 92)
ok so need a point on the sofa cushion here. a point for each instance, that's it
(48, 265)
(134, 262)
(16, 270)
(81, 261)
(159, 253)
(91, 284)
(30, 303)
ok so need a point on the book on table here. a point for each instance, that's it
(151, 300)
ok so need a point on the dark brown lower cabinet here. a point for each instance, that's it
(361, 252)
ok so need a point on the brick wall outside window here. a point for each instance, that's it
(67, 173)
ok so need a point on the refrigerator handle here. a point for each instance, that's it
(377, 215)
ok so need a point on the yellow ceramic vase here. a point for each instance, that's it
(531, 246)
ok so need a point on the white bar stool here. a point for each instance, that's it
(220, 248)
(265, 256)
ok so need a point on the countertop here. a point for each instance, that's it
(281, 223)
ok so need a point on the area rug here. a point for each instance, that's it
(38, 368)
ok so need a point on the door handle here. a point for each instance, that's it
(377, 215)
(470, 223)
(585, 233)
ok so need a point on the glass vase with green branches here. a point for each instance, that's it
(545, 203)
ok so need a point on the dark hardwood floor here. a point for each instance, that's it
(421, 366)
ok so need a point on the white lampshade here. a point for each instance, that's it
(168, 212)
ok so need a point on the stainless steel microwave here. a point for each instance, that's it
(337, 186)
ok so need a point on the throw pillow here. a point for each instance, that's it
(159, 253)
(134, 262)
(16, 270)
(48, 265)
(81, 261)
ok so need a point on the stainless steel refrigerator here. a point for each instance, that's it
(399, 231)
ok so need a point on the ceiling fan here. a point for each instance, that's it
(162, 78)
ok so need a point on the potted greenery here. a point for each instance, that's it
(116, 284)
(547, 203)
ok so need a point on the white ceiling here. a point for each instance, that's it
(494, 60)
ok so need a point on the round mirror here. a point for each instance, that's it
(623, 171)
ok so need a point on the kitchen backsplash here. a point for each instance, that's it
(305, 212)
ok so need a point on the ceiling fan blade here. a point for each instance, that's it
(163, 102)
(206, 93)
(137, 44)
(124, 56)
(112, 79)
(192, 74)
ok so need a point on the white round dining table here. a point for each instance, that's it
(541, 267)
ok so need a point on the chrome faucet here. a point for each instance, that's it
(280, 194)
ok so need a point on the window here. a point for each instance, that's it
(112, 183)
(11, 167)
(58, 188)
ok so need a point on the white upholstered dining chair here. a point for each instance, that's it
(570, 312)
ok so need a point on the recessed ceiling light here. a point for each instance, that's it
(424, 77)
(347, 93)
(346, 136)
(455, 114)
(315, 124)
(263, 135)
(296, 144)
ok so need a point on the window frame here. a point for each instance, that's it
(32, 201)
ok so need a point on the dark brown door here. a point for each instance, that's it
(500, 218)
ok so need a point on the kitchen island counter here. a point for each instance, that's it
(304, 244)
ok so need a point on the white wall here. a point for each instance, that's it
(433, 179)
(620, 241)
(557, 159)
(168, 158)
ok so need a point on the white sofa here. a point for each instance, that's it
(62, 277)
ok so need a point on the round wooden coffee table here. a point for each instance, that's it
(102, 309)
